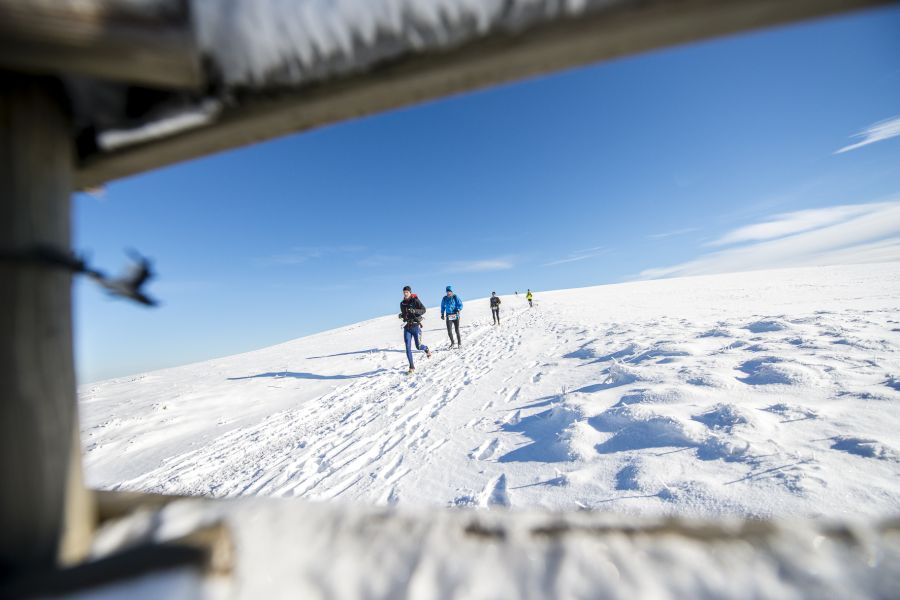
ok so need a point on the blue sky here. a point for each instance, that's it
(774, 148)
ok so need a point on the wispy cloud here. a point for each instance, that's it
(301, 254)
(861, 233)
(578, 255)
(794, 222)
(656, 236)
(883, 130)
(474, 266)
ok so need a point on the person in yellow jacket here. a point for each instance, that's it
(529, 296)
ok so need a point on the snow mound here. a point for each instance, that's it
(715, 332)
(621, 374)
(494, 494)
(720, 448)
(766, 326)
(705, 379)
(669, 395)
(771, 370)
(722, 416)
(652, 431)
(661, 353)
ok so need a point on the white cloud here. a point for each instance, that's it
(883, 130)
(865, 233)
(794, 222)
(578, 255)
(656, 236)
(479, 265)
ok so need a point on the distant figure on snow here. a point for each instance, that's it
(529, 296)
(451, 305)
(411, 311)
(495, 307)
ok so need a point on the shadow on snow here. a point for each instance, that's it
(295, 375)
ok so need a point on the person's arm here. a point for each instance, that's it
(458, 304)
(443, 304)
(419, 308)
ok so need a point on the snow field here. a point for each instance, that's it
(757, 394)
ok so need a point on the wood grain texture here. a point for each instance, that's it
(148, 43)
(37, 397)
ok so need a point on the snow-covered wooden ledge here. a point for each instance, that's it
(274, 67)
(297, 549)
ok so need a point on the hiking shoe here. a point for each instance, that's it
(411, 371)
(428, 354)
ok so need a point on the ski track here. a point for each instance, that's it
(354, 438)
(678, 414)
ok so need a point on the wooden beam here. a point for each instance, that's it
(149, 43)
(623, 30)
(38, 456)
(115, 505)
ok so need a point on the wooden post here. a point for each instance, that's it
(40, 475)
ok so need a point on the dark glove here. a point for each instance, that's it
(442, 317)
(400, 316)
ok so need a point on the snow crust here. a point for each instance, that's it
(290, 42)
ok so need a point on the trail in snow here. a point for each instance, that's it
(756, 394)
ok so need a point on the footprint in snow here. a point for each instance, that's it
(391, 498)
(536, 377)
(486, 450)
(512, 418)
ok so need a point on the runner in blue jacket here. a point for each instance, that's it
(451, 306)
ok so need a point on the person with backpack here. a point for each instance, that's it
(495, 307)
(451, 306)
(529, 296)
(411, 311)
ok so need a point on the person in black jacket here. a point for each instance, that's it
(411, 311)
(495, 307)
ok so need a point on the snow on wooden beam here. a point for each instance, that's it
(147, 42)
(281, 90)
(292, 548)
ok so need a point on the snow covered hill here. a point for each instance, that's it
(771, 393)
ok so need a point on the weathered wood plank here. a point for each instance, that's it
(149, 43)
(37, 397)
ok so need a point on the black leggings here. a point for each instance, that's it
(450, 325)
(495, 312)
